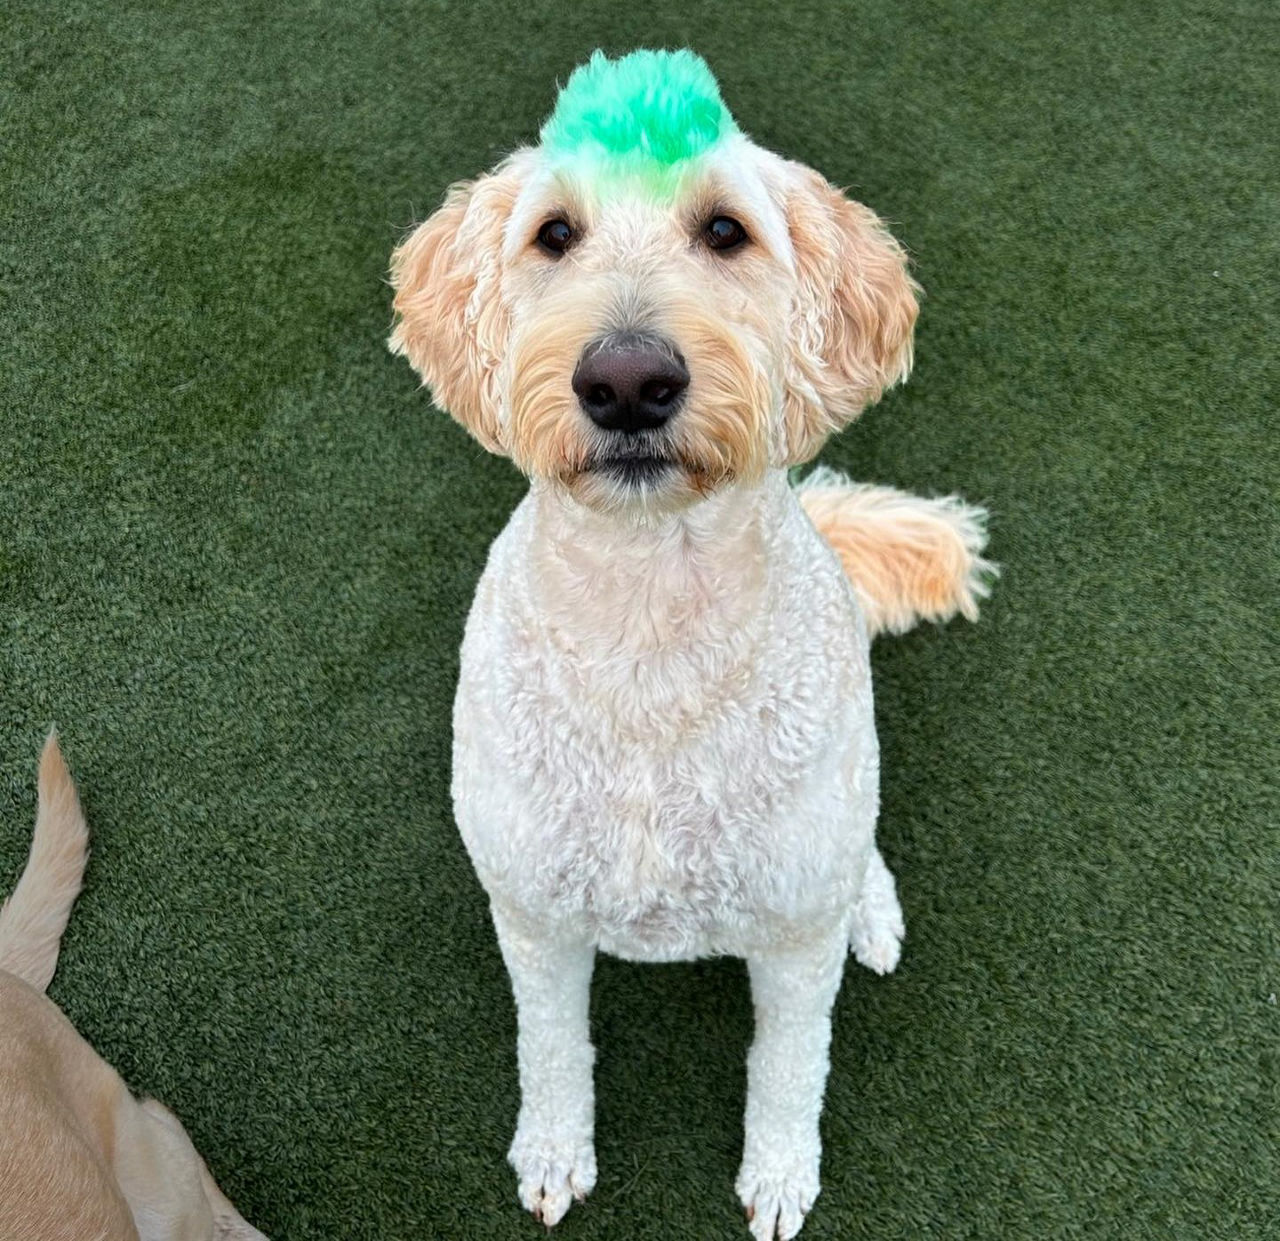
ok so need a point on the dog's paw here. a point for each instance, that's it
(777, 1199)
(878, 929)
(879, 950)
(877, 940)
(551, 1174)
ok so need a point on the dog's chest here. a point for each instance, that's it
(675, 804)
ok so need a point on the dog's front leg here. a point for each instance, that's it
(553, 1152)
(793, 990)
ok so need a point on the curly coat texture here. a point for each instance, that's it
(664, 738)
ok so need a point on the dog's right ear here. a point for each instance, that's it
(450, 319)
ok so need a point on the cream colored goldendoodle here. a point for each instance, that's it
(664, 744)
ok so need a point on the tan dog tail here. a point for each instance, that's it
(35, 915)
(909, 559)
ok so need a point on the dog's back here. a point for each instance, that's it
(55, 1182)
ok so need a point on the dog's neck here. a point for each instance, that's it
(615, 587)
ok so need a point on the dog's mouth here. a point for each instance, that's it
(636, 469)
(649, 468)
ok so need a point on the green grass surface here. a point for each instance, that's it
(237, 547)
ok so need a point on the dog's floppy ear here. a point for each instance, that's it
(853, 314)
(450, 319)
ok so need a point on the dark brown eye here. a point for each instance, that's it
(723, 232)
(555, 236)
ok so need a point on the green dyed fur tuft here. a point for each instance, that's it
(644, 114)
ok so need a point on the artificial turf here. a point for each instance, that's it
(237, 547)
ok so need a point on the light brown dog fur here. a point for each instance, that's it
(80, 1158)
(909, 559)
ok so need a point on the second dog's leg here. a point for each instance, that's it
(553, 1152)
(793, 990)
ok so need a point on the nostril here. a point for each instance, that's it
(657, 393)
(600, 395)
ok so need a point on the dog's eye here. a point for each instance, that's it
(555, 236)
(723, 232)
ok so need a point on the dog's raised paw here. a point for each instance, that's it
(776, 1205)
(551, 1175)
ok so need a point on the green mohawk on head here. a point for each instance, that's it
(643, 115)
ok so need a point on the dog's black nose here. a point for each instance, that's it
(630, 383)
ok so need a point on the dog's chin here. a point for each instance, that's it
(638, 481)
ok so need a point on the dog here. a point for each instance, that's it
(664, 745)
(80, 1157)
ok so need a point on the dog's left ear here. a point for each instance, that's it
(450, 319)
(853, 314)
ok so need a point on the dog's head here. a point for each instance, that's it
(647, 306)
